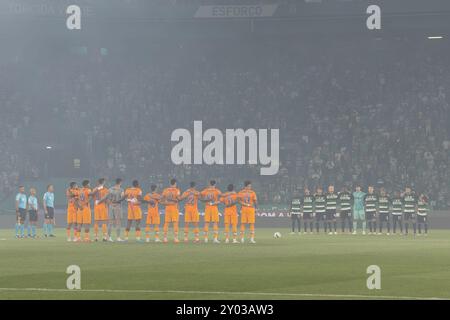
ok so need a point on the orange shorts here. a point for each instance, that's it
(153, 217)
(211, 214)
(230, 216)
(171, 214)
(247, 215)
(84, 216)
(100, 213)
(134, 212)
(191, 214)
(71, 215)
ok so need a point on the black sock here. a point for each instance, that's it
(317, 227)
(420, 228)
(388, 227)
(335, 226)
(426, 228)
(414, 227)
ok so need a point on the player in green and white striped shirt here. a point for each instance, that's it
(371, 207)
(397, 212)
(295, 211)
(331, 199)
(423, 207)
(308, 210)
(345, 200)
(384, 203)
(409, 209)
(320, 209)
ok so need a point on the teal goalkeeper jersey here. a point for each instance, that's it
(358, 200)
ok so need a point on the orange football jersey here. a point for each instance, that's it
(247, 197)
(84, 197)
(211, 194)
(153, 199)
(72, 197)
(171, 195)
(191, 196)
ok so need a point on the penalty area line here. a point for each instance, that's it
(279, 294)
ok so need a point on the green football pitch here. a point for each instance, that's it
(292, 267)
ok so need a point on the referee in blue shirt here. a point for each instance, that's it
(49, 211)
(21, 212)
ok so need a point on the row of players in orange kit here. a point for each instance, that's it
(108, 210)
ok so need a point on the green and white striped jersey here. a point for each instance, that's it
(296, 206)
(371, 202)
(422, 208)
(319, 203)
(397, 206)
(331, 201)
(383, 203)
(345, 201)
(308, 204)
(409, 203)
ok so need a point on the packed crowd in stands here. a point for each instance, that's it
(372, 113)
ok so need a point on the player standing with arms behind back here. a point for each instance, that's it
(211, 195)
(248, 200)
(153, 218)
(170, 198)
(191, 211)
(133, 196)
(230, 199)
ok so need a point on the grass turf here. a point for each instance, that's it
(292, 267)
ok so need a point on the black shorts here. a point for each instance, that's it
(295, 216)
(50, 213)
(345, 214)
(33, 215)
(409, 216)
(331, 214)
(22, 215)
(320, 216)
(384, 217)
(421, 219)
(307, 216)
(370, 215)
(397, 217)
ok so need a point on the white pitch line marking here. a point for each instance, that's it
(226, 293)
